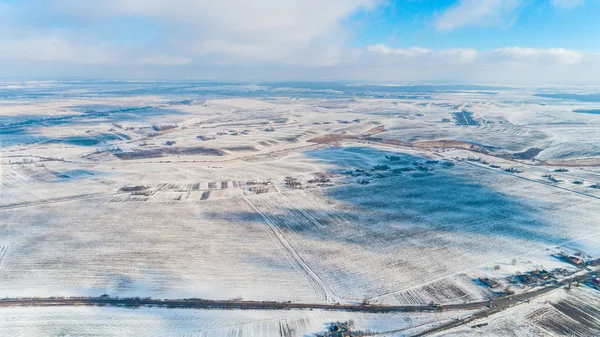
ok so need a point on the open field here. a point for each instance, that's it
(563, 313)
(313, 197)
(97, 321)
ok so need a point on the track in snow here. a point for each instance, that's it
(293, 255)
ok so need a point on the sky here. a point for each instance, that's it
(535, 42)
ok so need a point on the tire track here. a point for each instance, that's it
(294, 256)
(4, 251)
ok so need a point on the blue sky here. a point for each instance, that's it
(537, 24)
(396, 41)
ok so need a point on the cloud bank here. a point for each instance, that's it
(261, 40)
(504, 65)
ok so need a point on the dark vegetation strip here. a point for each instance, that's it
(171, 151)
(196, 303)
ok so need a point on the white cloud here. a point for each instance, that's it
(257, 22)
(552, 55)
(453, 55)
(506, 65)
(54, 48)
(161, 60)
(567, 4)
(287, 31)
(262, 39)
(411, 52)
(51, 48)
(484, 13)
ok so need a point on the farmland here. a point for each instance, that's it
(203, 323)
(564, 313)
(319, 198)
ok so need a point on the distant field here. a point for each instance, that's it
(339, 194)
(575, 97)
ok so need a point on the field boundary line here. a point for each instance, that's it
(534, 181)
(56, 200)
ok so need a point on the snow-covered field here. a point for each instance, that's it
(105, 322)
(563, 313)
(209, 212)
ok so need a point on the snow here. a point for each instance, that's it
(101, 321)
(403, 238)
(540, 316)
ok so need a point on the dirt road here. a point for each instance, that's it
(493, 305)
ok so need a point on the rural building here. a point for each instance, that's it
(492, 283)
(575, 260)
(541, 274)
